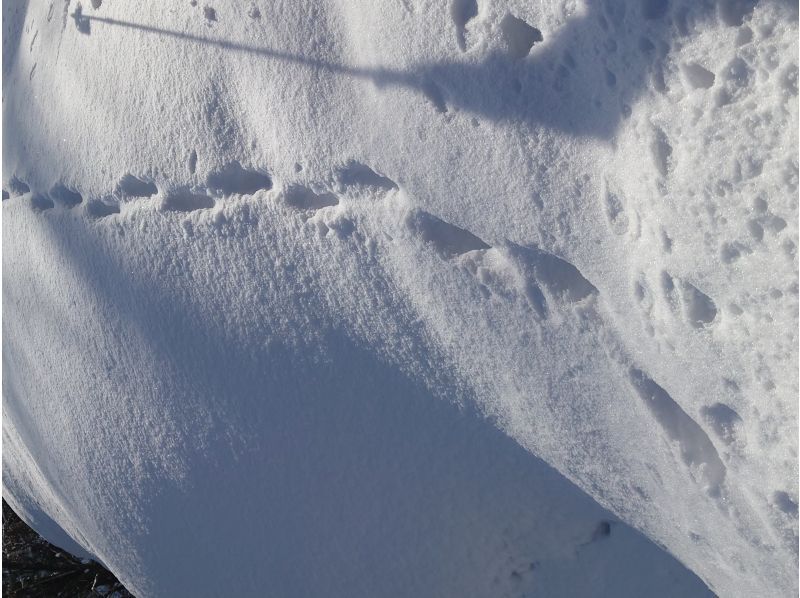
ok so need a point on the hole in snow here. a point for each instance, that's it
(700, 308)
(519, 36)
(615, 211)
(209, 13)
(697, 76)
(666, 242)
(697, 450)
(131, 186)
(100, 209)
(755, 229)
(65, 196)
(723, 420)
(561, 278)
(18, 187)
(661, 150)
(233, 179)
(774, 223)
(192, 161)
(462, 11)
(536, 299)
(447, 239)
(303, 198)
(730, 252)
(785, 503)
(185, 201)
(357, 174)
(41, 202)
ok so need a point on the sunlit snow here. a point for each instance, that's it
(463, 298)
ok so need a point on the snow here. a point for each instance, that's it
(404, 297)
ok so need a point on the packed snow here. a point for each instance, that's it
(489, 298)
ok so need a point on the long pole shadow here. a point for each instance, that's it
(562, 84)
(582, 81)
(83, 23)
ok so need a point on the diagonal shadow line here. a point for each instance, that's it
(480, 88)
(496, 86)
(382, 75)
(564, 85)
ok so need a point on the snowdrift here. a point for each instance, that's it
(405, 298)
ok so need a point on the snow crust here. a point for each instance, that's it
(403, 297)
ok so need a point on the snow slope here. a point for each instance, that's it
(405, 297)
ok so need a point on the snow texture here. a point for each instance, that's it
(405, 298)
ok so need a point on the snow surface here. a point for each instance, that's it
(405, 297)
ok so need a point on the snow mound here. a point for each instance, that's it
(405, 298)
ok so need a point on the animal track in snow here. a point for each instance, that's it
(491, 267)
(683, 299)
(763, 220)
(65, 196)
(696, 449)
(696, 76)
(498, 274)
(614, 209)
(233, 179)
(192, 164)
(97, 208)
(131, 186)
(661, 150)
(724, 421)
(666, 242)
(669, 291)
(41, 202)
(730, 252)
(519, 36)
(785, 503)
(303, 198)
(462, 11)
(700, 309)
(184, 200)
(17, 186)
(355, 174)
(447, 239)
(561, 278)
(511, 271)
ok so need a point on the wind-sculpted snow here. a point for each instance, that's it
(405, 298)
